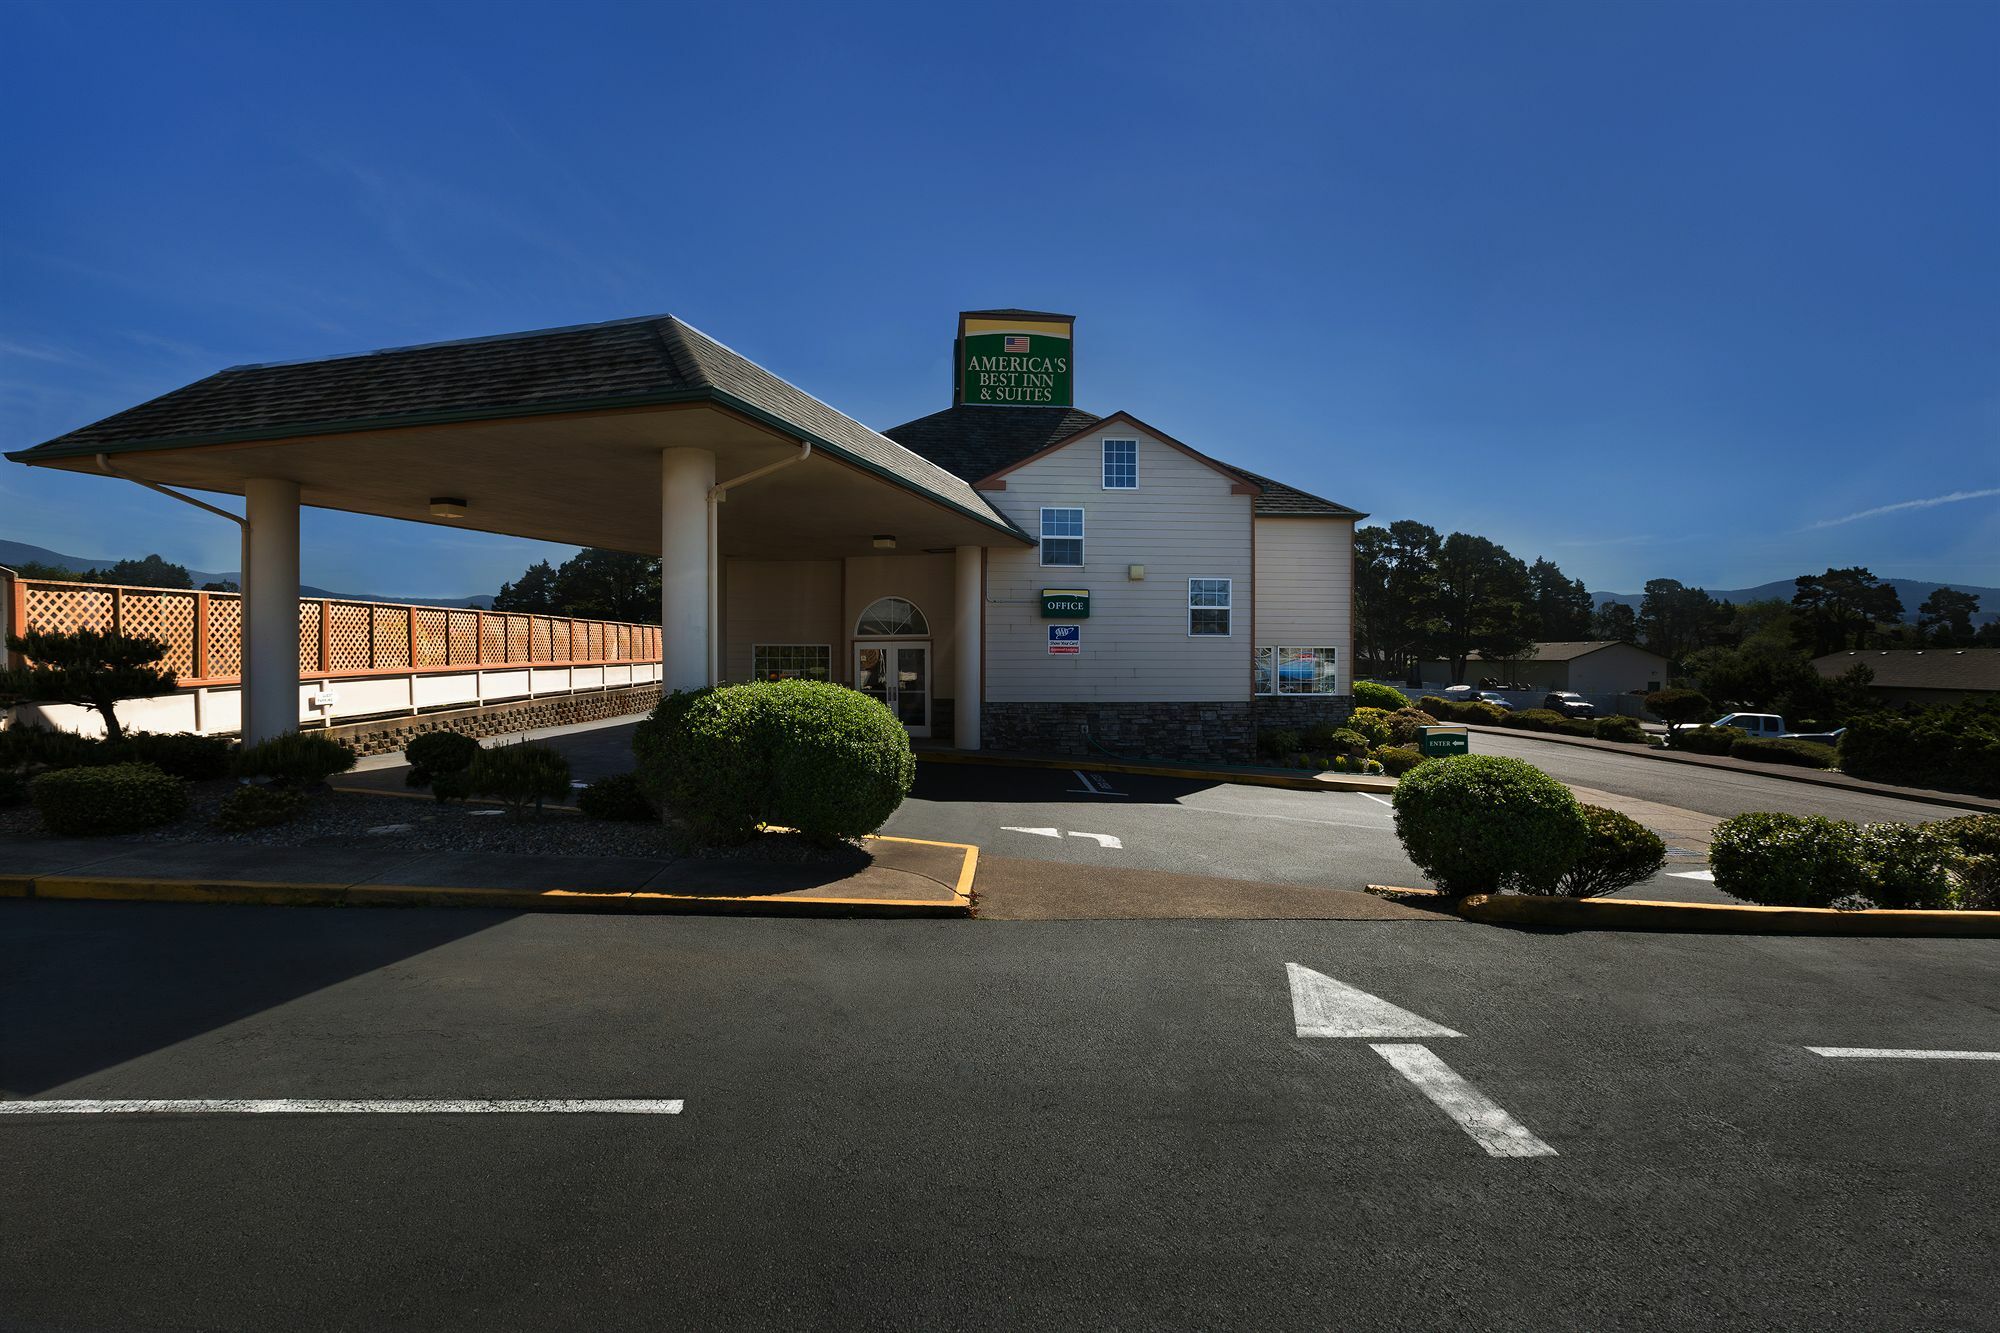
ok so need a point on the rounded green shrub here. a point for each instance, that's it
(1406, 725)
(252, 806)
(519, 775)
(1705, 739)
(1475, 823)
(182, 754)
(112, 798)
(45, 747)
(302, 759)
(1621, 852)
(1396, 760)
(1345, 740)
(1370, 694)
(1908, 866)
(1373, 724)
(1626, 729)
(1437, 706)
(1274, 742)
(820, 758)
(1977, 838)
(441, 760)
(1537, 719)
(618, 796)
(1785, 860)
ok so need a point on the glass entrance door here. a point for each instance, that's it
(899, 674)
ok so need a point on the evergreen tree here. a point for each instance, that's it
(1615, 622)
(1562, 605)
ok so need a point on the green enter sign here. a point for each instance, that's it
(1065, 604)
(1438, 742)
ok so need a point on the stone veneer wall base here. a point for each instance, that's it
(387, 735)
(1221, 732)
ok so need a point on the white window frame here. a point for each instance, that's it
(758, 648)
(1042, 537)
(1276, 656)
(1228, 591)
(1104, 471)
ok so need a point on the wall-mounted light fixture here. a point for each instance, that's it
(1135, 572)
(444, 506)
(884, 541)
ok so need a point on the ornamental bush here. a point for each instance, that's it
(1621, 852)
(1705, 739)
(1537, 719)
(1626, 729)
(252, 806)
(1908, 866)
(1474, 823)
(1346, 740)
(519, 775)
(113, 798)
(618, 796)
(820, 758)
(1778, 750)
(1372, 724)
(13, 788)
(441, 760)
(1677, 708)
(43, 747)
(1369, 694)
(1957, 747)
(297, 758)
(1272, 743)
(1397, 760)
(1406, 725)
(1786, 860)
(1437, 706)
(182, 754)
(1977, 838)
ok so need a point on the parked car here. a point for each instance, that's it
(1569, 704)
(1498, 701)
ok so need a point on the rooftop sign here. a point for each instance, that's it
(1009, 360)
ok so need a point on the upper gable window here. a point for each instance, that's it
(1121, 465)
(1062, 537)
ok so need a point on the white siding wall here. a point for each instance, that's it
(1305, 586)
(1181, 523)
(781, 601)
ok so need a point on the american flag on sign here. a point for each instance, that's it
(1017, 342)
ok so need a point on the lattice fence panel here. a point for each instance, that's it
(464, 637)
(392, 636)
(624, 643)
(66, 610)
(308, 637)
(433, 638)
(596, 649)
(225, 636)
(492, 639)
(517, 638)
(348, 637)
(559, 640)
(538, 639)
(167, 617)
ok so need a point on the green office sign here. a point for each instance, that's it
(1440, 742)
(1065, 604)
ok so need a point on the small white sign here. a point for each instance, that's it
(323, 699)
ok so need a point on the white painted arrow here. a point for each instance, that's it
(1323, 1007)
(1038, 832)
(1101, 839)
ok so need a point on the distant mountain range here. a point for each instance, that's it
(16, 554)
(1912, 591)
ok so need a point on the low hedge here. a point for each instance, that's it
(820, 758)
(1626, 729)
(1620, 852)
(1547, 719)
(1956, 747)
(1705, 739)
(1977, 838)
(1474, 823)
(520, 775)
(299, 758)
(1277, 742)
(251, 807)
(182, 753)
(1778, 750)
(1369, 694)
(617, 797)
(442, 761)
(1908, 866)
(113, 798)
(1397, 760)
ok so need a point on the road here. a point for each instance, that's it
(972, 1125)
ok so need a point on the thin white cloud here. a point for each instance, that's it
(1901, 505)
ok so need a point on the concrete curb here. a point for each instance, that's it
(1720, 918)
(1783, 772)
(278, 893)
(1243, 777)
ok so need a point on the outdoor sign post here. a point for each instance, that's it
(1439, 742)
(1065, 604)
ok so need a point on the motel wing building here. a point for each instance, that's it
(1011, 573)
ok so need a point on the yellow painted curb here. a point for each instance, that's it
(1320, 782)
(188, 891)
(17, 886)
(1720, 918)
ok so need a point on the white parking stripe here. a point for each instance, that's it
(1500, 1134)
(1378, 800)
(298, 1106)
(1707, 876)
(1870, 1053)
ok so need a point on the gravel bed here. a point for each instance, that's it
(395, 823)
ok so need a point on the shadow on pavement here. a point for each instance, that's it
(88, 986)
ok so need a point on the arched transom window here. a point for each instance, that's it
(892, 618)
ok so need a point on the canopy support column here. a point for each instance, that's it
(968, 645)
(271, 607)
(686, 476)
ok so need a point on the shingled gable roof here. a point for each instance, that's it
(982, 442)
(1920, 668)
(651, 360)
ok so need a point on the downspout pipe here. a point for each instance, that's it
(716, 495)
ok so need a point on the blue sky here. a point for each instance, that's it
(1703, 291)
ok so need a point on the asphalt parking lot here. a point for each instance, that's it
(985, 1125)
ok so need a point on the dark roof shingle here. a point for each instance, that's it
(1921, 668)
